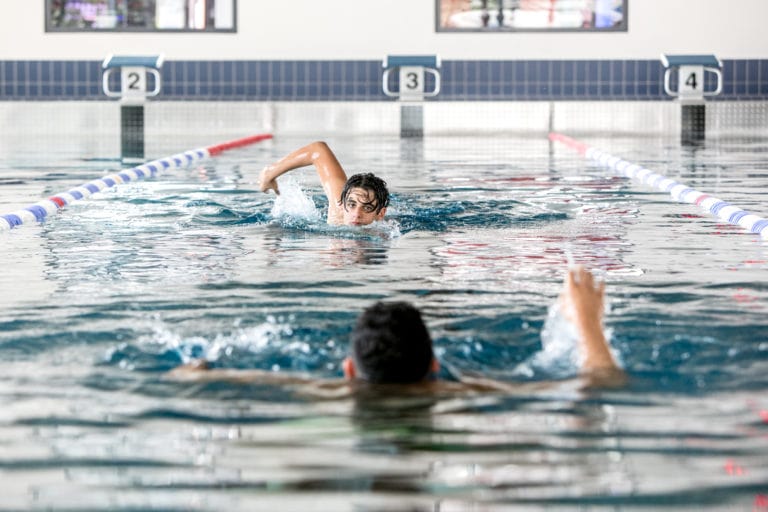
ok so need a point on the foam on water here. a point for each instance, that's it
(292, 203)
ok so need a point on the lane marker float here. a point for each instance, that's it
(679, 191)
(38, 212)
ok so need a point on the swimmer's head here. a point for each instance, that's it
(364, 199)
(390, 345)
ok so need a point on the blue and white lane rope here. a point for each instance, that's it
(40, 210)
(679, 191)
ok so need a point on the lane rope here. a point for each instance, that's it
(38, 211)
(679, 191)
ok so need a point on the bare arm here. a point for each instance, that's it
(583, 300)
(329, 170)
(200, 371)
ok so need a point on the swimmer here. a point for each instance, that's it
(357, 201)
(390, 344)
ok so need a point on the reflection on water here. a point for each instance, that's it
(112, 292)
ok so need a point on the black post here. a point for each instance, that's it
(132, 132)
(411, 121)
(693, 123)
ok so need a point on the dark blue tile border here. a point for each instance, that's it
(356, 80)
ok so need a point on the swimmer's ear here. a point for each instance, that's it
(435, 366)
(349, 368)
(381, 213)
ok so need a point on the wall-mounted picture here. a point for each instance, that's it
(531, 15)
(140, 15)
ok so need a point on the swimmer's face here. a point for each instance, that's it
(360, 208)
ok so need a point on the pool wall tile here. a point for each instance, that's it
(360, 80)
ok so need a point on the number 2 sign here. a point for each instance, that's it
(133, 82)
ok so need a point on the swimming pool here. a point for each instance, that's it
(105, 297)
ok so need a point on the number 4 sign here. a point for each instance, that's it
(690, 71)
(690, 81)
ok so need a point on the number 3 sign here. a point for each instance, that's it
(412, 71)
(411, 81)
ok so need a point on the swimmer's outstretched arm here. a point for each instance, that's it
(583, 303)
(329, 170)
(199, 371)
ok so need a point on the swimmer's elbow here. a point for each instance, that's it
(318, 149)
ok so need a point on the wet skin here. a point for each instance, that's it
(359, 208)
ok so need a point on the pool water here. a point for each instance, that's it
(105, 297)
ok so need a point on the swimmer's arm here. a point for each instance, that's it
(329, 170)
(584, 303)
(484, 385)
(200, 371)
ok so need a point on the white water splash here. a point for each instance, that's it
(189, 348)
(387, 229)
(294, 203)
(560, 355)
(559, 343)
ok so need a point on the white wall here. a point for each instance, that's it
(369, 29)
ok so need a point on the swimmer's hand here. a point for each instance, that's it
(267, 181)
(583, 298)
(582, 302)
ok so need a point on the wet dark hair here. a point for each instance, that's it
(367, 181)
(391, 344)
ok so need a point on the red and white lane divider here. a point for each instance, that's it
(39, 211)
(679, 191)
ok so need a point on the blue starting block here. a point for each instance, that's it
(411, 88)
(133, 76)
(133, 94)
(690, 92)
(411, 69)
(690, 71)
